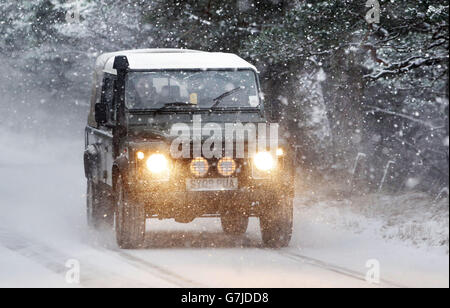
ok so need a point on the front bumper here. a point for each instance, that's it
(173, 204)
(171, 199)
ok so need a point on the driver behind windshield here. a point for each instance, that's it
(145, 94)
(206, 89)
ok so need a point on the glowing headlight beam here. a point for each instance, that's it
(280, 152)
(264, 161)
(140, 155)
(199, 166)
(226, 166)
(157, 164)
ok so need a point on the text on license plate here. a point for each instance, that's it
(212, 184)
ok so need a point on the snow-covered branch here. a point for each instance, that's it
(405, 116)
(407, 65)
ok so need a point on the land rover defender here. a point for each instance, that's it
(183, 134)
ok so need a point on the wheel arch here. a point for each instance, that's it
(120, 167)
(91, 159)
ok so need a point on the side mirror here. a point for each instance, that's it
(101, 113)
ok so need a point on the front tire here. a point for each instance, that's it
(129, 217)
(234, 223)
(277, 224)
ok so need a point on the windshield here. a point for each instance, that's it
(202, 89)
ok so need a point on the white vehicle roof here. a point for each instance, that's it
(156, 59)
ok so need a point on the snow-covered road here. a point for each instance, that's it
(42, 226)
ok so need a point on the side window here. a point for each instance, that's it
(108, 96)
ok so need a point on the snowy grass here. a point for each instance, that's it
(413, 219)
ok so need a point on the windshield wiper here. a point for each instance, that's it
(219, 99)
(176, 104)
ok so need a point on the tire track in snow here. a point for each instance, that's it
(159, 271)
(54, 261)
(336, 269)
(131, 258)
(40, 254)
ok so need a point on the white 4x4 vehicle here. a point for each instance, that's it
(137, 169)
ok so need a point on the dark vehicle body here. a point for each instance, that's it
(132, 176)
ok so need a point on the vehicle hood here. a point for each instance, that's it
(151, 126)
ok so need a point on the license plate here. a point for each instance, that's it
(219, 184)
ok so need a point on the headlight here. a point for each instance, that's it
(280, 152)
(140, 155)
(226, 166)
(157, 164)
(264, 161)
(199, 166)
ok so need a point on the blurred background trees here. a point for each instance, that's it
(344, 86)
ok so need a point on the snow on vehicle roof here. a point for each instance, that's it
(155, 59)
